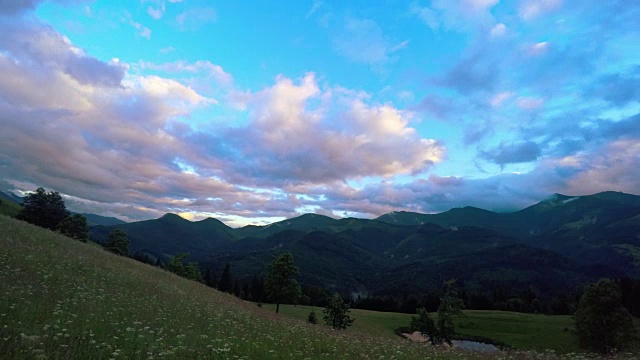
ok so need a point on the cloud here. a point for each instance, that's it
(498, 30)
(143, 31)
(291, 139)
(194, 18)
(12, 7)
(362, 41)
(529, 103)
(48, 48)
(500, 98)
(457, 15)
(180, 66)
(471, 75)
(531, 9)
(513, 153)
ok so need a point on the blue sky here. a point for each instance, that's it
(253, 111)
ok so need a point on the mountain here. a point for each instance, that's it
(603, 228)
(170, 235)
(558, 243)
(11, 196)
(93, 220)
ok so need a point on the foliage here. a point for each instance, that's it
(336, 314)
(442, 330)
(75, 227)
(450, 307)
(312, 318)
(226, 282)
(117, 242)
(603, 325)
(210, 278)
(44, 209)
(425, 325)
(177, 266)
(280, 284)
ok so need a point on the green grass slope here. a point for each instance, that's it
(62, 299)
(9, 207)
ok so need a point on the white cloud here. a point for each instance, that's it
(531, 9)
(500, 98)
(498, 30)
(538, 48)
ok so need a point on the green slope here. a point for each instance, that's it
(9, 207)
(62, 299)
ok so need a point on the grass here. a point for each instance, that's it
(9, 208)
(62, 299)
(517, 330)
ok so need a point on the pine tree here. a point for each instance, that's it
(280, 285)
(226, 281)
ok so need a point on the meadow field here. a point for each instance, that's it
(517, 330)
(62, 299)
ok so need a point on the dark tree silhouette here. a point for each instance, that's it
(44, 209)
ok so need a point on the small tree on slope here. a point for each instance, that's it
(280, 284)
(117, 242)
(336, 314)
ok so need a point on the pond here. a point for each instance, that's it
(474, 346)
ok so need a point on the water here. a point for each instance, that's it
(474, 346)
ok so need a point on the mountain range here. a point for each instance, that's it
(558, 243)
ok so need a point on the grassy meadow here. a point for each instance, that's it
(517, 330)
(62, 299)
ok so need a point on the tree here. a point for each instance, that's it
(280, 284)
(442, 329)
(312, 318)
(257, 289)
(75, 227)
(450, 307)
(190, 271)
(602, 323)
(117, 242)
(44, 209)
(336, 314)
(425, 325)
(210, 278)
(226, 282)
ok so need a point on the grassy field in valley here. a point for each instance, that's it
(62, 299)
(519, 331)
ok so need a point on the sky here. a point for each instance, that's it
(256, 111)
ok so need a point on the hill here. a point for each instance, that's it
(63, 299)
(8, 206)
(93, 220)
(170, 235)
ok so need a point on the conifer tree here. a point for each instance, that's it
(280, 284)
(226, 281)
